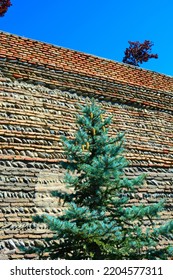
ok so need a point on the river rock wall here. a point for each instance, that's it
(40, 87)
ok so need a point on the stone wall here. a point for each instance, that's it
(40, 85)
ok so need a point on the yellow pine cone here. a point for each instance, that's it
(83, 148)
(93, 131)
(91, 115)
(101, 116)
(87, 145)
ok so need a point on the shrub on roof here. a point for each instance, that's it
(4, 5)
(137, 53)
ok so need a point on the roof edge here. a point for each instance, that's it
(84, 53)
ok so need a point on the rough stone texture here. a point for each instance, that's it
(40, 86)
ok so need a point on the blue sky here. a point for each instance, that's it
(98, 27)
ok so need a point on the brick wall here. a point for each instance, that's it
(40, 85)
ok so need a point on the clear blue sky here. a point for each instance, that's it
(98, 27)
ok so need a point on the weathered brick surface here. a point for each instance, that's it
(40, 85)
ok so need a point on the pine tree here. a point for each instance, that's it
(99, 221)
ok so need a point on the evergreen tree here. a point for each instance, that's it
(99, 221)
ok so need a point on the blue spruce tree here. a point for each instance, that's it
(99, 222)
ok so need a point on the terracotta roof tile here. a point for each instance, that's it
(38, 53)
